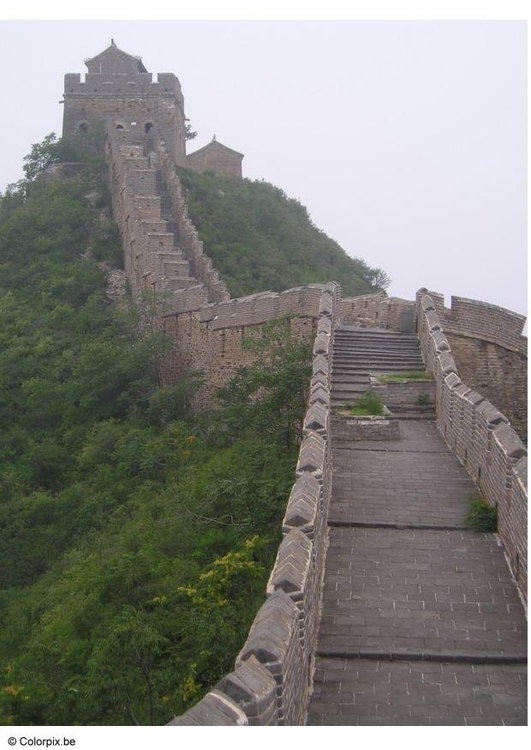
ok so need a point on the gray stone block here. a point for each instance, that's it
(326, 304)
(432, 319)
(312, 455)
(320, 364)
(321, 344)
(216, 709)
(324, 326)
(303, 505)
(292, 566)
(254, 690)
(441, 342)
(453, 380)
(509, 441)
(490, 414)
(316, 418)
(520, 472)
(426, 303)
(319, 393)
(447, 363)
(274, 626)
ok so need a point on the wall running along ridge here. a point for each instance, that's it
(481, 438)
(145, 120)
(271, 681)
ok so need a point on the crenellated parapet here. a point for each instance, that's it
(480, 320)
(272, 678)
(490, 351)
(119, 90)
(481, 437)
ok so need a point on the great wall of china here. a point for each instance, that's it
(475, 352)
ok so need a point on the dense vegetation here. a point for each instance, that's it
(261, 240)
(135, 538)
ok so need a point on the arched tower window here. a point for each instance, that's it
(82, 127)
(147, 127)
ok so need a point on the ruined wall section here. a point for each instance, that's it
(481, 437)
(272, 677)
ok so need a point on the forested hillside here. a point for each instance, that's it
(259, 239)
(135, 538)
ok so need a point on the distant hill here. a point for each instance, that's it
(259, 239)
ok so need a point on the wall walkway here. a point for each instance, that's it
(422, 623)
(272, 680)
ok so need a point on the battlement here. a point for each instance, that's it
(120, 86)
(470, 317)
(118, 89)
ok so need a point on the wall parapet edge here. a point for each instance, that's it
(481, 437)
(271, 681)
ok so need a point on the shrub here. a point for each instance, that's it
(481, 516)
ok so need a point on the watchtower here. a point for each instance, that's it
(119, 89)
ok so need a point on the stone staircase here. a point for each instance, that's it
(361, 354)
(168, 265)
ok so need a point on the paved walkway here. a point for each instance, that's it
(422, 623)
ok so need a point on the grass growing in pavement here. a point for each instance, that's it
(481, 516)
(400, 377)
(369, 404)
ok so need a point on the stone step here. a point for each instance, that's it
(369, 367)
(371, 345)
(350, 378)
(369, 335)
(377, 357)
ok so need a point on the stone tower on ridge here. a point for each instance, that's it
(117, 87)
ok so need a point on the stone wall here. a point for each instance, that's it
(380, 311)
(131, 102)
(211, 339)
(201, 267)
(217, 158)
(271, 681)
(486, 340)
(157, 256)
(481, 437)
(490, 352)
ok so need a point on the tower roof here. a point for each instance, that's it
(113, 60)
(216, 146)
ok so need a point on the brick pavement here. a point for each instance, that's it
(421, 623)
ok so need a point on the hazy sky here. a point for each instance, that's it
(406, 140)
